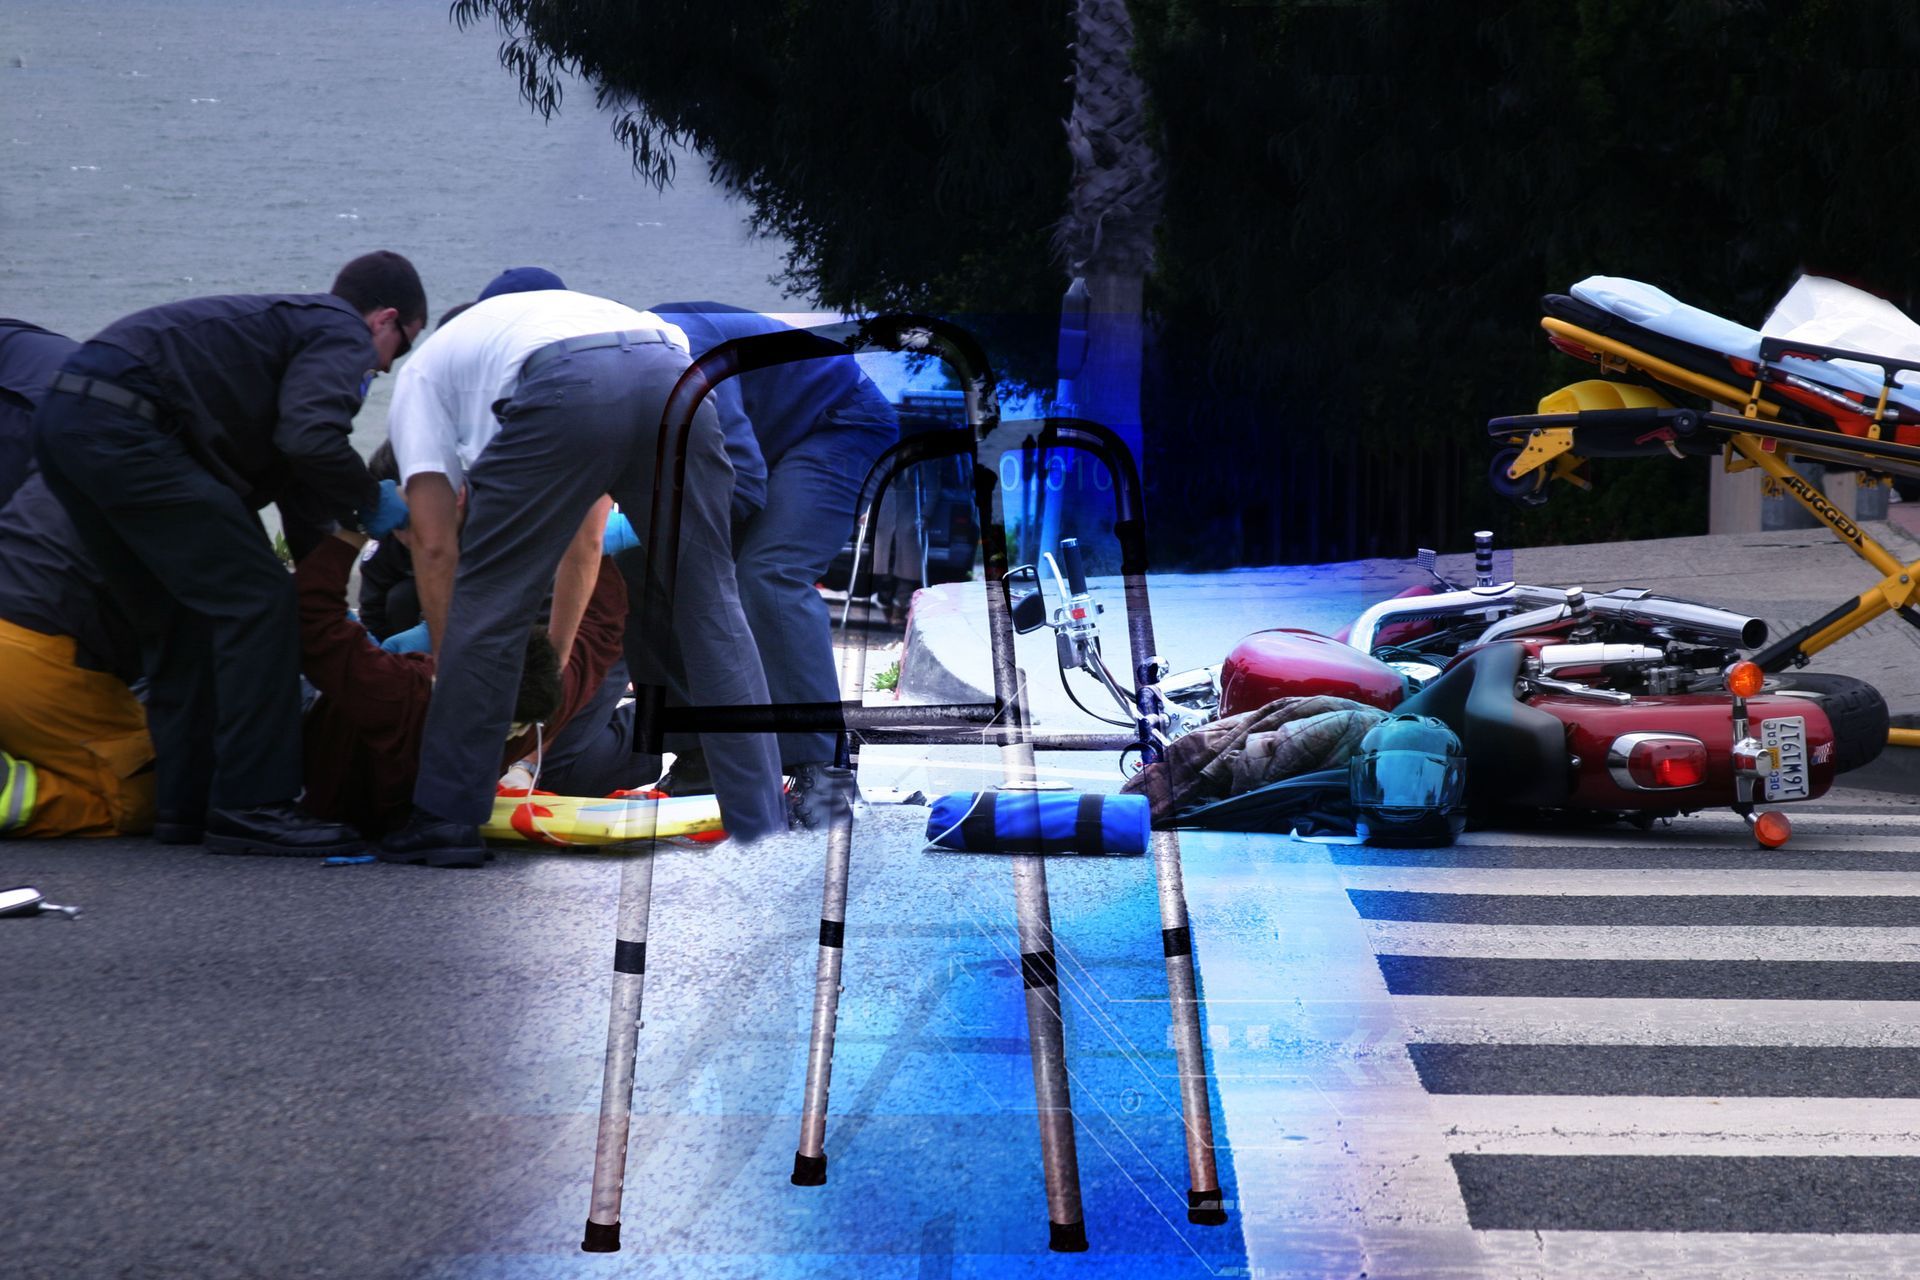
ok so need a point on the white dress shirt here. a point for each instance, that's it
(442, 412)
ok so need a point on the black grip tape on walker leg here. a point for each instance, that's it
(809, 1171)
(629, 957)
(833, 933)
(1037, 969)
(1206, 1208)
(601, 1238)
(1177, 942)
(1067, 1237)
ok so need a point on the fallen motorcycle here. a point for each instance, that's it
(1621, 706)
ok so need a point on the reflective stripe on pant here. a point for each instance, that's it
(85, 734)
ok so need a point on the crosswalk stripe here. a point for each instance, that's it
(1746, 882)
(1831, 910)
(1549, 1020)
(1631, 1193)
(1508, 1124)
(1650, 979)
(1667, 1071)
(1691, 1255)
(1615, 858)
(1656, 942)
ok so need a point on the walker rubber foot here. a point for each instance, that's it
(601, 1238)
(809, 1171)
(1206, 1208)
(1068, 1237)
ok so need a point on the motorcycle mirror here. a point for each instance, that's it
(1025, 601)
(22, 901)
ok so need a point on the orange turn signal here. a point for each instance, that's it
(1772, 829)
(1745, 679)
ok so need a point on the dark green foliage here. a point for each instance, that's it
(911, 153)
(1365, 201)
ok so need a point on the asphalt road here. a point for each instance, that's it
(264, 1068)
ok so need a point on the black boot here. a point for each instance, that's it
(282, 829)
(817, 794)
(435, 841)
(688, 777)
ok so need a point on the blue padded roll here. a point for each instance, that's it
(1039, 822)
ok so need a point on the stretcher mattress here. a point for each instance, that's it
(1660, 313)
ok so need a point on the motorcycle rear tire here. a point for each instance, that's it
(1855, 708)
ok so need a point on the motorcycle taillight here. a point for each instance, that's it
(1663, 763)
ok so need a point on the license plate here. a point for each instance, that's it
(1787, 735)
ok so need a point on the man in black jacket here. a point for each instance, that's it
(29, 357)
(162, 436)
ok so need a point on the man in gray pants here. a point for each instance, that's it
(543, 403)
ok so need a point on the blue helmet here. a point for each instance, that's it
(1408, 783)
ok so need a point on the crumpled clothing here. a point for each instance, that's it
(1287, 737)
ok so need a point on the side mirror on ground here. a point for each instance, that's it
(21, 901)
(1026, 602)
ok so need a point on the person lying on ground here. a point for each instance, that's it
(363, 736)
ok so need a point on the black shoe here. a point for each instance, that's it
(175, 828)
(817, 794)
(688, 777)
(282, 829)
(436, 842)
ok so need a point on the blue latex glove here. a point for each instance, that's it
(388, 513)
(413, 640)
(619, 535)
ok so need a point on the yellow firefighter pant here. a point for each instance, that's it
(83, 731)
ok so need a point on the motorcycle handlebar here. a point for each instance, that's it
(1075, 568)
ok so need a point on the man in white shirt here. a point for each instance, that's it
(542, 403)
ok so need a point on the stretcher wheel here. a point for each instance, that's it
(1529, 490)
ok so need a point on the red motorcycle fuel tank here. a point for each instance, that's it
(1287, 663)
(1594, 727)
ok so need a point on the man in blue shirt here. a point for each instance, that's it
(801, 437)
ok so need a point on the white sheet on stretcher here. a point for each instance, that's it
(1816, 310)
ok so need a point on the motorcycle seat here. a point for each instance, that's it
(1516, 754)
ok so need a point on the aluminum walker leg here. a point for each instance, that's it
(1067, 1224)
(1204, 1203)
(810, 1160)
(623, 1029)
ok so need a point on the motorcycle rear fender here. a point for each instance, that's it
(1593, 726)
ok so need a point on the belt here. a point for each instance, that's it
(590, 342)
(107, 393)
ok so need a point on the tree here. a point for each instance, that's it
(911, 154)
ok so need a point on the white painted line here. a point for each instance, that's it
(1496, 1124)
(1693, 1255)
(1643, 942)
(1548, 1020)
(1633, 881)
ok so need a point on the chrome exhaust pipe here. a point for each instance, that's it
(1528, 608)
(1670, 619)
(1442, 604)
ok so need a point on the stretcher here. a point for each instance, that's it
(1833, 377)
(582, 821)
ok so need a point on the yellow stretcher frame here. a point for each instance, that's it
(1553, 447)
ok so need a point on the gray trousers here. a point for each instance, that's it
(582, 425)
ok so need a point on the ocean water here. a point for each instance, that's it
(167, 148)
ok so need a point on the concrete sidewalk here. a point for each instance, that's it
(1787, 578)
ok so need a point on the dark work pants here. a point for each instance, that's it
(191, 565)
(593, 755)
(583, 425)
(786, 546)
